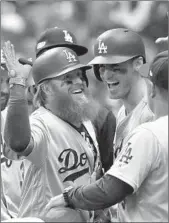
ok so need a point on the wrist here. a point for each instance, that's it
(66, 197)
(17, 81)
(17, 92)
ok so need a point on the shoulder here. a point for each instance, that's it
(143, 137)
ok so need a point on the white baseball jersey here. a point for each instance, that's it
(60, 157)
(11, 181)
(127, 123)
(143, 164)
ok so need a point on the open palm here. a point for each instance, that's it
(12, 64)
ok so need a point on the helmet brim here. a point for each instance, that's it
(67, 70)
(109, 59)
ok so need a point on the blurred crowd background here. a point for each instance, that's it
(23, 21)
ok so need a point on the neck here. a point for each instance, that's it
(135, 95)
(161, 109)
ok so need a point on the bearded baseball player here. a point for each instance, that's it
(105, 121)
(55, 139)
(139, 176)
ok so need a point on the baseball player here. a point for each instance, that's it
(56, 139)
(119, 57)
(11, 172)
(105, 121)
(139, 177)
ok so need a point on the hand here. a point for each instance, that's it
(57, 201)
(15, 69)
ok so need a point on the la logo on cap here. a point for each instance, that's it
(68, 37)
(69, 56)
(102, 47)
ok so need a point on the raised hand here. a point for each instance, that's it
(15, 69)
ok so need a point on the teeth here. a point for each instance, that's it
(77, 91)
(113, 84)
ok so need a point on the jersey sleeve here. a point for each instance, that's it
(39, 136)
(136, 159)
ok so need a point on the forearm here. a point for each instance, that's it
(103, 193)
(17, 128)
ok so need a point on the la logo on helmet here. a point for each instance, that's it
(69, 56)
(102, 47)
(67, 37)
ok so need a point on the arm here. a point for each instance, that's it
(125, 177)
(102, 194)
(17, 128)
(130, 169)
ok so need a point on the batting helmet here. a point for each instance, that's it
(56, 62)
(116, 46)
(57, 37)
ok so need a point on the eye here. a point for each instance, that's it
(115, 69)
(67, 80)
(102, 68)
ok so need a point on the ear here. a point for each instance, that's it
(138, 63)
(46, 88)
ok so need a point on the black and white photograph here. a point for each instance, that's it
(84, 111)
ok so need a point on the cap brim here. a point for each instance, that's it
(109, 59)
(78, 49)
(67, 70)
(75, 67)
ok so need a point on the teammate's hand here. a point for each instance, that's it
(57, 201)
(15, 69)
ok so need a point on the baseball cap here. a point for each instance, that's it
(58, 37)
(159, 70)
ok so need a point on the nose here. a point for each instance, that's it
(77, 80)
(107, 75)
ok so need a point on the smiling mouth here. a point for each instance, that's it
(113, 84)
(78, 91)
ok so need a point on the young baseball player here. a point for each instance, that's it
(56, 138)
(138, 180)
(119, 57)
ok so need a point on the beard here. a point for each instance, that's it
(77, 108)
